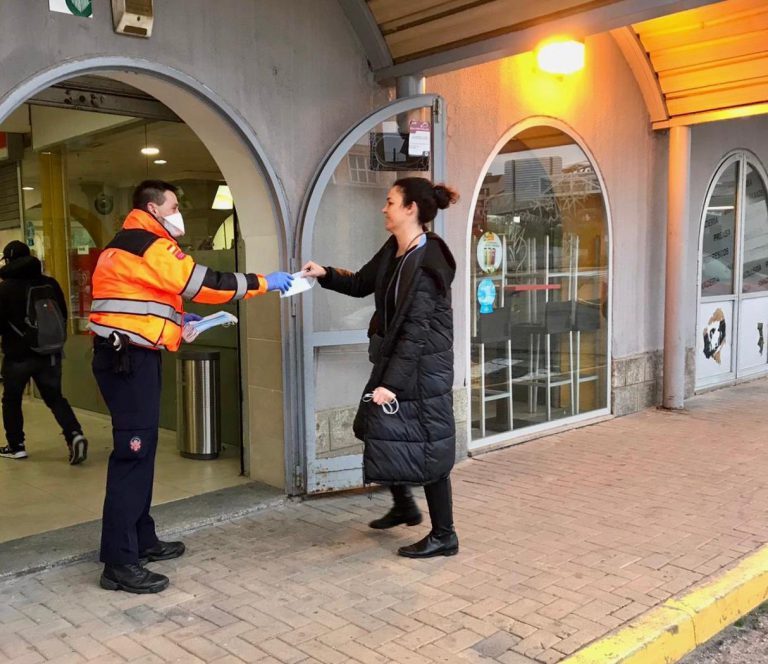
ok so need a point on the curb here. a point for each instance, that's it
(668, 632)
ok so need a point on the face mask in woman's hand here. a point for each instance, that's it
(389, 408)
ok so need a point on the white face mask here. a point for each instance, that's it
(174, 224)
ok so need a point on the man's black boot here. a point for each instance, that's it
(432, 545)
(162, 551)
(133, 579)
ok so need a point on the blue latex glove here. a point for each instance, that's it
(189, 317)
(279, 281)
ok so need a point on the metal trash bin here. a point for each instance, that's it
(198, 400)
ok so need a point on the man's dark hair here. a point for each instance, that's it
(151, 190)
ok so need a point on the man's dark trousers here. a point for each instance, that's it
(45, 370)
(131, 390)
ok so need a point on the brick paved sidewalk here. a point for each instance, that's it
(563, 539)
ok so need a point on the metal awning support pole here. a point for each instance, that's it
(678, 188)
(410, 86)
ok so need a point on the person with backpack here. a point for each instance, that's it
(33, 325)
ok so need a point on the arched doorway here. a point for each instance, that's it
(539, 252)
(732, 318)
(234, 153)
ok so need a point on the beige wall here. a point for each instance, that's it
(264, 417)
(9, 235)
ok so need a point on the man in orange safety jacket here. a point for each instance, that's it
(140, 282)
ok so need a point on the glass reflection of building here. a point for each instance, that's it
(540, 354)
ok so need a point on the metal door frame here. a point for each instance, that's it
(310, 467)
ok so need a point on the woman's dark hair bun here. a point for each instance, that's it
(427, 196)
(445, 196)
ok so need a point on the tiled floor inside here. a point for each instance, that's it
(44, 492)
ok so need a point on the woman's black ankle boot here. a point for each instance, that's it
(405, 510)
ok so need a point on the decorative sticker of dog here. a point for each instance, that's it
(714, 335)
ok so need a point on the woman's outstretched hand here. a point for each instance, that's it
(312, 269)
(382, 395)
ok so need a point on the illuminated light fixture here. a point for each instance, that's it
(159, 162)
(720, 207)
(561, 56)
(149, 151)
(27, 188)
(223, 199)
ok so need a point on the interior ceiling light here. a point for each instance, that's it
(561, 56)
(28, 188)
(159, 162)
(223, 198)
(150, 151)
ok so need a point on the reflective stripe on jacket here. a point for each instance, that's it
(143, 275)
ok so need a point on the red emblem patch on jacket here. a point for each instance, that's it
(173, 249)
(135, 444)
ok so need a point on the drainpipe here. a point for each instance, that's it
(678, 189)
(409, 86)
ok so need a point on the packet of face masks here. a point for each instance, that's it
(191, 330)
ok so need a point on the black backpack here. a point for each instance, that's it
(45, 330)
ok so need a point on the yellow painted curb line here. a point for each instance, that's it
(668, 632)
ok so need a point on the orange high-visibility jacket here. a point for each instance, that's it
(142, 276)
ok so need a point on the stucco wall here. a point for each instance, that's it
(603, 107)
(293, 70)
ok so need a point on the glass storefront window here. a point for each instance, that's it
(755, 269)
(539, 283)
(719, 236)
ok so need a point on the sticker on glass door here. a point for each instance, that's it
(713, 356)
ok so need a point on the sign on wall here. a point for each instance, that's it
(82, 8)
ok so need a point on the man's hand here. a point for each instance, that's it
(190, 317)
(279, 281)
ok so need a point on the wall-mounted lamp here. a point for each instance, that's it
(560, 56)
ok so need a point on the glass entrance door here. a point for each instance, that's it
(733, 297)
(343, 227)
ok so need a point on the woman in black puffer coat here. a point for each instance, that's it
(411, 348)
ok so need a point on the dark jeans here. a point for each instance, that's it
(132, 395)
(46, 372)
(439, 503)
